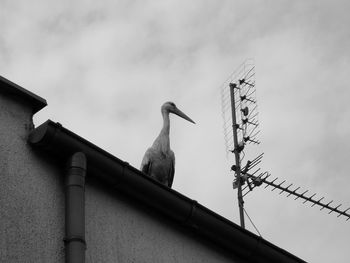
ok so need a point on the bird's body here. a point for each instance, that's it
(161, 166)
(159, 160)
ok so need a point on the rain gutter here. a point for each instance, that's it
(60, 142)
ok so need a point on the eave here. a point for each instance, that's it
(18, 93)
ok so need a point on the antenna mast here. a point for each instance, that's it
(236, 151)
(240, 122)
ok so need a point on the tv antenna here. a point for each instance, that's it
(241, 127)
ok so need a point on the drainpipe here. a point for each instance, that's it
(75, 209)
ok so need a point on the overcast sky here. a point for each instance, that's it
(106, 67)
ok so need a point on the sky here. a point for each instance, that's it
(106, 67)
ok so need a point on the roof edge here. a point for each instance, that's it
(53, 138)
(13, 89)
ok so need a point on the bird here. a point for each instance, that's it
(159, 160)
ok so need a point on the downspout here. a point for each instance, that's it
(75, 209)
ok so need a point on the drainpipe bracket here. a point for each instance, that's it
(69, 239)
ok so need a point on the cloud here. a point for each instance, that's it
(106, 67)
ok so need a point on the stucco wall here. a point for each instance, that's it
(117, 228)
(31, 199)
(117, 232)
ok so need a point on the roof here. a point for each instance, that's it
(52, 138)
(9, 88)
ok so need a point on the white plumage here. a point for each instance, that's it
(159, 160)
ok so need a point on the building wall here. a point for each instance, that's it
(117, 229)
(31, 200)
(117, 232)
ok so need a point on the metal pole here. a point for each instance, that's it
(237, 153)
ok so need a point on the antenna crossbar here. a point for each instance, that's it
(257, 180)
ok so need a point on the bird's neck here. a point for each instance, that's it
(166, 124)
(163, 141)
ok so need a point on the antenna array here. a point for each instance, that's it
(245, 107)
(239, 112)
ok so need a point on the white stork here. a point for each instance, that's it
(159, 160)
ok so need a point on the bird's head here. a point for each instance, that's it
(170, 107)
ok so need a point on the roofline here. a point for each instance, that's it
(62, 143)
(15, 90)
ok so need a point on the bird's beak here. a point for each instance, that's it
(182, 115)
